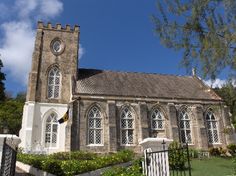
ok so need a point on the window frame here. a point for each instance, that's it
(183, 112)
(127, 129)
(51, 130)
(162, 120)
(94, 126)
(212, 129)
(52, 86)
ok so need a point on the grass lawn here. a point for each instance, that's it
(212, 167)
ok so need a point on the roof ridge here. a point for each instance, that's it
(145, 73)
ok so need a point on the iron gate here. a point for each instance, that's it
(172, 162)
(8, 159)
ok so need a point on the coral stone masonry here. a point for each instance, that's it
(110, 110)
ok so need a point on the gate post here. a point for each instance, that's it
(156, 156)
(8, 149)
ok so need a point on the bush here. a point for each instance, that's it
(214, 151)
(134, 170)
(193, 153)
(177, 158)
(217, 151)
(65, 163)
(76, 155)
(232, 149)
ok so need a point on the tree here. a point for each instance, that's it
(11, 112)
(205, 30)
(21, 97)
(2, 87)
(228, 93)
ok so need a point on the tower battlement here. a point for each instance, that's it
(58, 26)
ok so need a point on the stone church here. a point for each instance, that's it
(109, 110)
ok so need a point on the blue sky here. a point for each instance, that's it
(115, 35)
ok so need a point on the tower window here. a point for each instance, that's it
(185, 126)
(51, 129)
(94, 126)
(54, 81)
(212, 127)
(127, 126)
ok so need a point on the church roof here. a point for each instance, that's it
(127, 84)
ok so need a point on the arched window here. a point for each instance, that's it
(157, 119)
(212, 127)
(54, 82)
(185, 126)
(127, 126)
(51, 129)
(94, 126)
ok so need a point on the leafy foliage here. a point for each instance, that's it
(71, 163)
(11, 112)
(228, 93)
(2, 78)
(177, 158)
(203, 29)
(232, 149)
(134, 170)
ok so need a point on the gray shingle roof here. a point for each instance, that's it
(100, 82)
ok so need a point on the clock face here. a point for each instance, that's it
(57, 46)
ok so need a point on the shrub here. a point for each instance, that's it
(177, 158)
(193, 153)
(232, 149)
(77, 155)
(134, 170)
(65, 163)
(214, 151)
(52, 166)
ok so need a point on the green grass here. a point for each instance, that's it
(214, 166)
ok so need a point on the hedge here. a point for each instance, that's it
(72, 163)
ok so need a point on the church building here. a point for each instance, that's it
(108, 110)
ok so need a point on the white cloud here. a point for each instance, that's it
(50, 8)
(18, 35)
(216, 83)
(81, 51)
(25, 7)
(17, 48)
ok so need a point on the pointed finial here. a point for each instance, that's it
(193, 71)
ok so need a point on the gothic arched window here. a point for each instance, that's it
(157, 119)
(94, 125)
(212, 127)
(54, 81)
(51, 129)
(127, 126)
(185, 126)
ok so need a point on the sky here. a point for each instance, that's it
(114, 35)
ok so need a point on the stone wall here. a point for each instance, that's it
(44, 59)
(111, 123)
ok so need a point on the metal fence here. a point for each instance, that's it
(8, 159)
(167, 162)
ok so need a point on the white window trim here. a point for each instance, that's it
(156, 119)
(102, 127)
(44, 132)
(126, 129)
(185, 129)
(60, 84)
(211, 129)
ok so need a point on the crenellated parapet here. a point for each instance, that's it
(58, 26)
